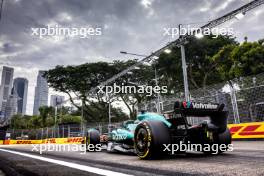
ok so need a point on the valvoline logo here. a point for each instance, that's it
(187, 104)
(194, 105)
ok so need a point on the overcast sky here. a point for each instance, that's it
(130, 25)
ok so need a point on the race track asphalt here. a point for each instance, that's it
(246, 159)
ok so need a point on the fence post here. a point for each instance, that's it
(80, 129)
(52, 132)
(234, 104)
(14, 134)
(58, 131)
(41, 133)
(83, 129)
(36, 132)
(69, 131)
(100, 128)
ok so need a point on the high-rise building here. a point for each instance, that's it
(6, 87)
(21, 90)
(56, 100)
(41, 93)
(11, 106)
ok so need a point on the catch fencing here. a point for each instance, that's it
(59, 131)
(62, 131)
(243, 97)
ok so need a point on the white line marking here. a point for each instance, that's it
(68, 164)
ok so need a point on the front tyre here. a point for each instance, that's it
(150, 137)
(92, 137)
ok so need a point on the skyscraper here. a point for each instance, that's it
(21, 90)
(5, 90)
(41, 93)
(56, 100)
(11, 106)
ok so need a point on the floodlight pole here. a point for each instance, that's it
(109, 112)
(158, 94)
(134, 54)
(82, 124)
(55, 118)
(184, 69)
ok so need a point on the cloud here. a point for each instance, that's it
(131, 25)
(223, 5)
(146, 3)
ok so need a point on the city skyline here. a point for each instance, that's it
(31, 84)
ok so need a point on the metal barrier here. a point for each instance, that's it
(239, 131)
(247, 130)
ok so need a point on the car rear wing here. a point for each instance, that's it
(216, 113)
(195, 108)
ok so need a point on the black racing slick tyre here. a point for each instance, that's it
(150, 138)
(223, 139)
(93, 137)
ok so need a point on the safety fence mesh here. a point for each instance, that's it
(243, 98)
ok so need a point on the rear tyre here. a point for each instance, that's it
(150, 137)
(225, 137)
(222, 139)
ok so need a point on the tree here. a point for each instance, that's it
(45, 111)
(143, 75)
(77, 81)
(34, 122)
(240, 60)
(199, 57)
(17, 122)
(70, 119)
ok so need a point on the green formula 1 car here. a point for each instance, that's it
(154, 135)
